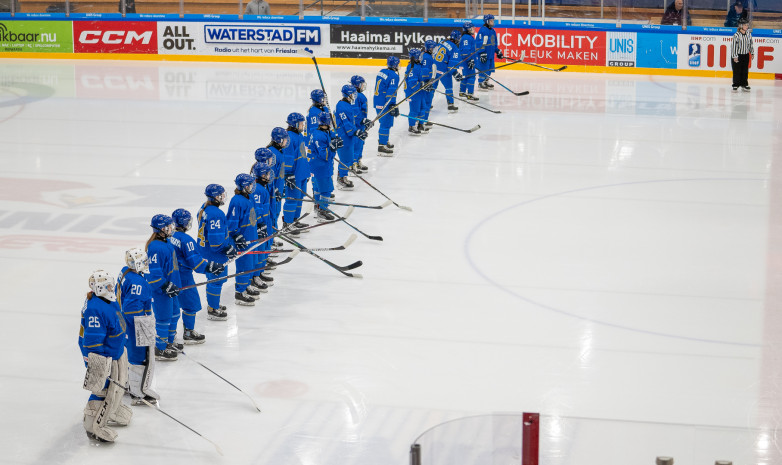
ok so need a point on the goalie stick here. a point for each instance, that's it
(344, 246)
(217, 448)
(341, 269)
(477, 126)
(213, 372)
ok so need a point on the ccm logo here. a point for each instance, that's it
(115, 37)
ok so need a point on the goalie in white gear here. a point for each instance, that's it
(102, 343)
(135, 301)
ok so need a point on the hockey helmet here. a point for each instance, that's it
(162, 224)
(182, 219)
(393, 63)
(102, 285)
(265, 156)
(216, 193)
(137, 260)
(359, 83)
(245, 183)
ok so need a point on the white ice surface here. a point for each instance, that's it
(607, 247)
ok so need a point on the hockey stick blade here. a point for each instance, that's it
(477, 126)
(519, 94)
(286, 260)
(354, 275)
(352, 266)
(308, 52)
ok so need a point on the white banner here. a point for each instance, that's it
(709, 52)
(242, 39)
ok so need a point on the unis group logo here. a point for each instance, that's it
(261, 35)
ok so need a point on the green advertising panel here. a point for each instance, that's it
(36, 36)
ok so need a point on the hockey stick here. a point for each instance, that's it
(374, 207)
(469, 102)
(493, 69)
(403, 207)
(311, 54)
(341, 269)
(217, 448)
(344, 246)
(562, 68)
(213, 372)
(348, 212)
(477, 126)
(342, 218)
(222, 278)
(517, 94)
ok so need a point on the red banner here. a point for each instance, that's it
(114, 37)
(553, 47)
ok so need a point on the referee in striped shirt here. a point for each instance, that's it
(741, 49)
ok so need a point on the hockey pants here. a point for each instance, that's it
(467, 85)
(166, 310)
(213, 290)
(416, 101)
(345, 155)
(322, 187)
(485, 68)
(189, 301)
(137, 355)
(386, 122)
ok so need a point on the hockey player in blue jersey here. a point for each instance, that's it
(446, 59)
(428, 70)
(348, 130)
(189, 258)
(135, 301)
(279, 141)
(215, 245)
(242, 228)
(323, 145)
(164, 283)
(487, 39)
(264, 175)
(102, 344)
(361, 109)
(386, 85)
(297, 172)
(266, 157)
(319, 105)
(467, 51)
(413, 82)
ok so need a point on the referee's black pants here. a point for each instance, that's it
(740, 71)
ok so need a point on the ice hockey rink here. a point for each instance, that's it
(606, 252)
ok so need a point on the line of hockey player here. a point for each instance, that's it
(127, 325)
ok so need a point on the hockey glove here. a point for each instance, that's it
(278, 196)
(458, 76)
(484, 57)
(361, 134)
(261, 230)
(214, 268)
(499, 54)
(240, 241)
(471, 64)
(367, 123)
(290, 179)
(230, 252)
(170, 289)
(336, 143)
(394, 112)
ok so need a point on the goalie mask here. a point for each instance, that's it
(137, 260)
(102, 285)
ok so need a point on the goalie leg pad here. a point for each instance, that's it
(98, 369)
(149, 372)
(96, 418)
(119, 373)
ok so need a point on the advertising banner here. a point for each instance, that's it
(239, 39)
(36, 36)
(380, 41)
(115, 37)
(656, 50)
(708, 52)
(552, 46)
(621, 49)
